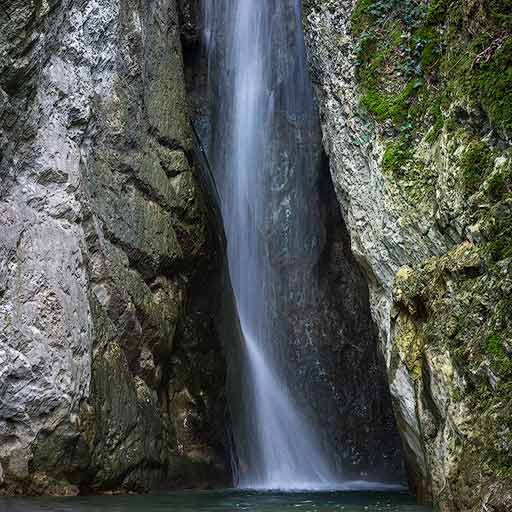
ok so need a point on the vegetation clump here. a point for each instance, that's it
(459, 50)
(417, 61)
(475, 164)
(443, 67)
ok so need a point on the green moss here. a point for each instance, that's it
(492, 84)
(393, 107)
(501, 248)
(429, 54)
(499, 220)
(378, 104)
(501, 361)
(498, 184)
(437, 10)
(480, 74)
(360, 15)
(501, 12)
(494, 346)
(395, 156)
(438, 121)
(427, 45)
(475, 163)
(451, 51)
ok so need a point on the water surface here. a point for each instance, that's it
(223, 501)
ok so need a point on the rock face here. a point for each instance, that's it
(416, 123)
(341, 372)
(111, 376)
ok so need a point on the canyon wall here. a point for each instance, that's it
(111, 370)
(111, 375)
(416, 111)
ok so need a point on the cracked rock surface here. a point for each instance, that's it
(102, 232)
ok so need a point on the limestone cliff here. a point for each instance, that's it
(111, 376)
(111, 372)
(416, 108)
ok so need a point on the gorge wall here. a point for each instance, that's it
(111, 376)
(112, 371)
(416, 109)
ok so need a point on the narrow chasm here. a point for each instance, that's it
(336, 367)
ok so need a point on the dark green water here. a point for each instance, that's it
(223, 501)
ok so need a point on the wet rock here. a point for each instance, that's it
(431, 250)
(103, 227)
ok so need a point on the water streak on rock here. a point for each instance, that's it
(266, 150)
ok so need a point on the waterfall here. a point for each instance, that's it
(264, 148)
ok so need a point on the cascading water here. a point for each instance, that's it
(264, 151)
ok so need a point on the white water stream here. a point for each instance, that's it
(265, 163)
